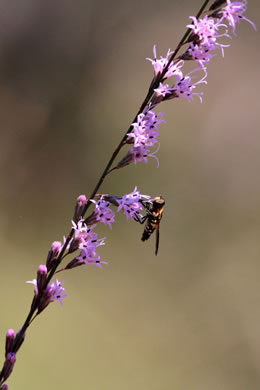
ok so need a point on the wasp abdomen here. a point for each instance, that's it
(148, 230)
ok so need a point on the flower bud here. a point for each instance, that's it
(81, 201)
(41, 277)
(9, 341)
(53, 253)
(4, 387)
(8, 365)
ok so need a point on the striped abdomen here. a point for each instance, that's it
(149, 228)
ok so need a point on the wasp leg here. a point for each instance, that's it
(140, 219)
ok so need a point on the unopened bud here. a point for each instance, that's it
(9, 341)
(41, 277)
(8, 365)
(53, 253)
(81, 201)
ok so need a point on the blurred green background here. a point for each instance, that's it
(72, 76)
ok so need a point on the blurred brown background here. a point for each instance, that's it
(72, 76)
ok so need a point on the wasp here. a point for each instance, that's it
(154, 211)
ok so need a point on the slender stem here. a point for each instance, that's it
(148, 97)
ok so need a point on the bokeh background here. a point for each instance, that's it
(72, 76)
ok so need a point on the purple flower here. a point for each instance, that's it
(206, 29)
(145, 130)
(53, 292)
(163, 90)
(138, 154)
(82, 233)
(103, 212)
(233, 13)
(131, 204)
(89, 256)
(184, 87)
(79, 227)
(88, 243)
(206, 32)
(200, 53)
(160, 63)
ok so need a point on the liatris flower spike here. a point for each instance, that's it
(206, 36)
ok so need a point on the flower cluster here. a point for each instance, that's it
(144, 135)
(203, 43)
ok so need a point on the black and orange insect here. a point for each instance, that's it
(154, 211)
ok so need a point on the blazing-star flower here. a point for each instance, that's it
(184, 87)
(81, 234)
(55, 291)
(85, 235)
(145, 130)
(206, 30)
(163, 90)
(233, 13)
(200, 53)
(137, 154)
(88, 241)
(103, 212)
(89, 255)
(51, 293)
(131, 204)
(160, 63)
